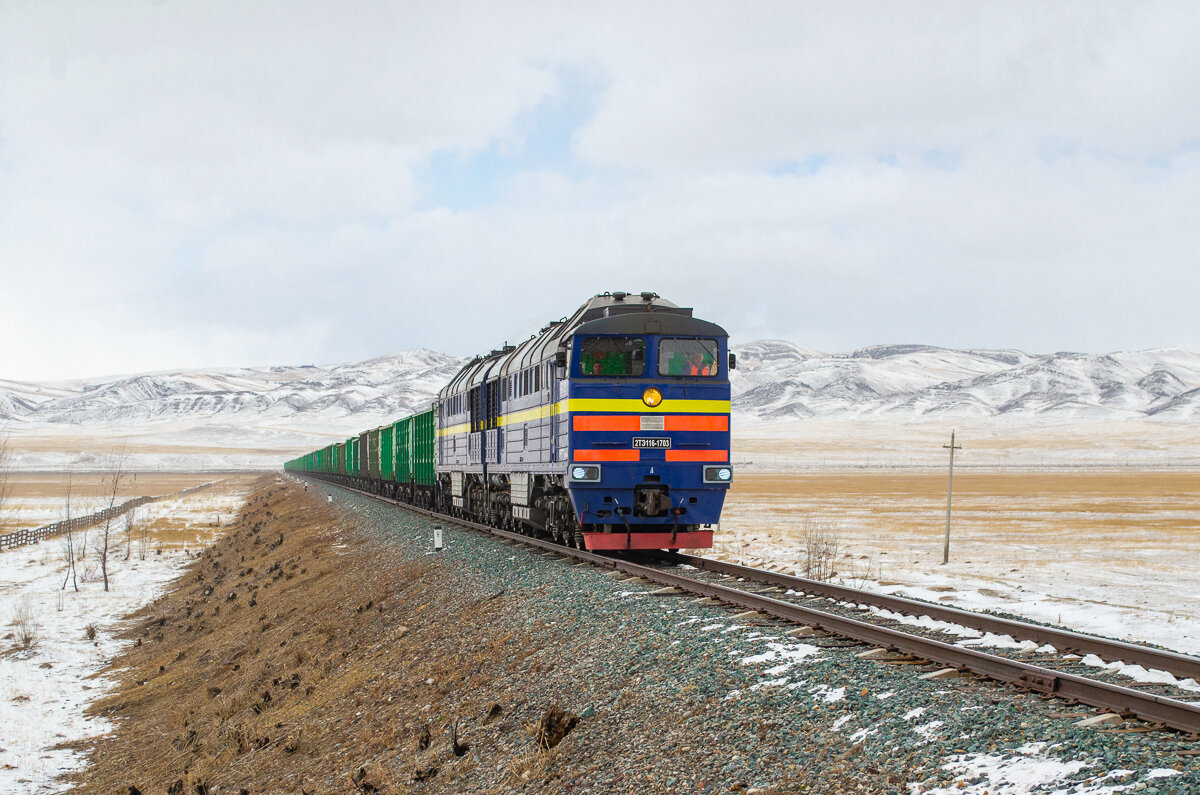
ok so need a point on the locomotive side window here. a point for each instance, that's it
(612, 356)
(680, 357)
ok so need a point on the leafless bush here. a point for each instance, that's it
(857, 572)
(821, 542)
(89, 632)
(25, 620)
(89, 574)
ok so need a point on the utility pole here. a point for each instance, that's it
(949, 496)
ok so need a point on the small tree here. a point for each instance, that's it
(114, 481)
(5, 469)
(70, 576)
(129, 525)
(143, 539)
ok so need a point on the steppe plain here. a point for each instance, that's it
(1095, 527)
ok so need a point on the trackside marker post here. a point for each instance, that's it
(949, 497)
(437, 538)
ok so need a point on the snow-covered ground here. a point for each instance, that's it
(45, 689)
(1140, 609)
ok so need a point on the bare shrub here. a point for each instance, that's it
(857, 572)
(89, 573)
(528, 765)
(25, 620)
(89, 632)
(821, 543)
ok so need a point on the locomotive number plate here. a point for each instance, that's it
(643, 442)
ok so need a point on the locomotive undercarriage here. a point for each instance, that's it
(547, 511)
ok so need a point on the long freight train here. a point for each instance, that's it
(607, 430)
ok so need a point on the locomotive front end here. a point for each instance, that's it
(647, 426)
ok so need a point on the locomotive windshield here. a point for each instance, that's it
(612, 356)
(687, 357)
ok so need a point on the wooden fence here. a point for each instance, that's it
(21, 537)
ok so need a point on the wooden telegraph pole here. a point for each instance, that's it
(949, 496)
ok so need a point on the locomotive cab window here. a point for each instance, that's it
(695, 358)
(612, 356)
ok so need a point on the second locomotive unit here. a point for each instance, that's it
(606, 430)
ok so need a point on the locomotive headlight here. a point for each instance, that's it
(651, 397)
(585, 473)
(723, 474)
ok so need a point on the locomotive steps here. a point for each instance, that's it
(324, 647)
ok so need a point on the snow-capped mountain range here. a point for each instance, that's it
(389, 385)
(775, 380)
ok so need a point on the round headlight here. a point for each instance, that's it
(579, 473)
(651, 397)
(724, 473)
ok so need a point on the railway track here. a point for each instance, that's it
(837, 610)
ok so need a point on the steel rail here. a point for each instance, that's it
(1154, 709)
(1063, 640)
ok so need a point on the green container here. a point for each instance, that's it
(403, 449)
(373, 454)
(387, 453)
(422, 434)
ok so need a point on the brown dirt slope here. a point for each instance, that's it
(290, 658)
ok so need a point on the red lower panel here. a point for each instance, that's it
(700, 539)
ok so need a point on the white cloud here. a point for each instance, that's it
(245, 183)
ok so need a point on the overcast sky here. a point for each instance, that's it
(187, 184)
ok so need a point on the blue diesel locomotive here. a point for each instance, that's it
(607, 430)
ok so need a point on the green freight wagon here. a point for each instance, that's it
(387, 454)
(363, 447)
(403, 447)
(414, 449)
(423, 448)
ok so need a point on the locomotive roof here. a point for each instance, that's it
(608, 313)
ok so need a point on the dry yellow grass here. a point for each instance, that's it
(189, 520)
(1100, 514)
(91, 484)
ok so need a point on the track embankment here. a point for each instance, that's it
(323, 647)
